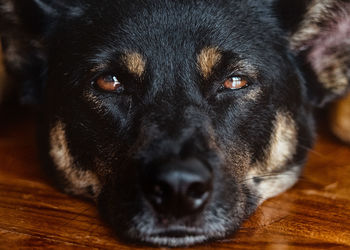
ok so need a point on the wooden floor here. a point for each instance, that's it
(314, 214)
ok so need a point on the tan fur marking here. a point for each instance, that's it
(274, 178)
(207, 59)
(78, 181)
(135, 63)
(283, 142)
(272, 184)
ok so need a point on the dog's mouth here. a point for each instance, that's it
(177, 232)
(176, 237)
(175, 241)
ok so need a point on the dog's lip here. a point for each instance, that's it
(177, 233)
(175, 237)
(174, 241)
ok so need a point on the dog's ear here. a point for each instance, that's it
(34, 17)
(319, 34)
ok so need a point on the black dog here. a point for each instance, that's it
(178, 117)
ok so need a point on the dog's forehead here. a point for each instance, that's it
(169, 30)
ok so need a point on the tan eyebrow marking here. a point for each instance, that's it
(207, 59)
(135, 63)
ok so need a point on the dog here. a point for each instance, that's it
(178, 118)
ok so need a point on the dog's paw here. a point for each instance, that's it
(340, 119)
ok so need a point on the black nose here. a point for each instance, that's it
(179, 188)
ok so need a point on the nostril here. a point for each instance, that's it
(179, 188)
(197, 195)
(197, 190)
(158, 193)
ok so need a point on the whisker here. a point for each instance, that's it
(267, 176)
(311, 150)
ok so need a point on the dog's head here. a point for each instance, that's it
(180, 117)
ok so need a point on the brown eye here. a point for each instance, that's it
(108, 83)
(235, 83)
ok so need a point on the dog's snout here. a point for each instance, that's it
(179, 188)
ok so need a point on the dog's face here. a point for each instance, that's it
(177, 118)
(177, 128)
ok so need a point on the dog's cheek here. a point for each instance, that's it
(283, 142)
(276, 172)
(77, 180)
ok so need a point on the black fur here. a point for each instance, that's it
(171, 112)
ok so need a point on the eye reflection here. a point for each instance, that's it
(235, 83)
(108, 83)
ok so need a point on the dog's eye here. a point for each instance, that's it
(108, 83)
(235, 83)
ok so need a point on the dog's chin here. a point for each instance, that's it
(171, 241)
(179, 234)
(177, 237)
